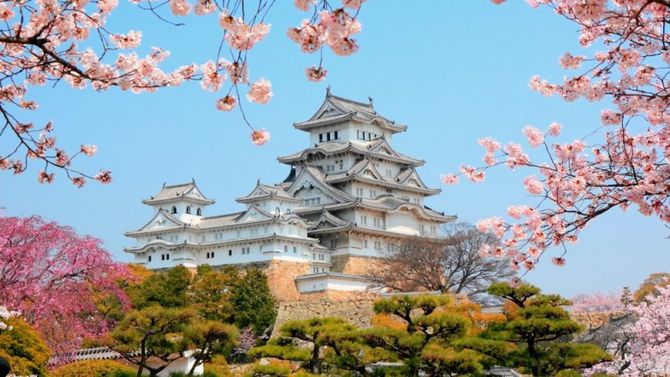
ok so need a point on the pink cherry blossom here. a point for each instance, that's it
(45, 177)
(490, 145)
(303, 4)
(354, 4)
(130, 40)
(226, 103)
(104, 177)
(571, 62)
(180, 7)
(449, 179)
(558, 261)
(534, 136)
(315, 74)
(473, 174)
(89, 150)
(533, 185)
(554, 129)
(260, 91)
(260, 137)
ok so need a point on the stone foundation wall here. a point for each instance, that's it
(358, 311)
(355, 265)
(281, 279)
(594, 320)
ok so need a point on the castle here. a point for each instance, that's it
(347, 199)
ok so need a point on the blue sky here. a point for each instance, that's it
(452, 71)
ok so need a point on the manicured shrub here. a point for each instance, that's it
(24, 349)
(94, 368)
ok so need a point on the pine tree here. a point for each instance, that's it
(541, 329)
(253, 303)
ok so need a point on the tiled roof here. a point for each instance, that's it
(372, 149)
(177, 192)
(343, 109)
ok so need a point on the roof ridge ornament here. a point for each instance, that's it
(328, 91)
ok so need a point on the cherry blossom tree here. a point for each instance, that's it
(597, 302)
(647, 350)
(622, 162)
(56, 278)
(47, 41)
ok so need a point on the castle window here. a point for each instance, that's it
(230, 253)
(149, 259)
(167, 256)
(174, 209)
(162, 256)
(369, 136)
(358, 134)
(341, 164)
(333, 243)
(328, 136)
(337, 136)
(320, 138)
(295, 249)
(363, 135)
(198, 212)
(285, 249)
(188, 209)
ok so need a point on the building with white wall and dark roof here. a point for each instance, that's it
(347, 199)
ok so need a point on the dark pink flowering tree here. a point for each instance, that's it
(56, 278)
(622, 162)
(43, 42)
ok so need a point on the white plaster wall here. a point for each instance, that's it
(330, 283)
(181, 365)
(181, 208)
(402, 222)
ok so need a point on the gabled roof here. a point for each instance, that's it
(364, 171)
(328, 220)
(218, 221)
(183, 191)
(394, 204)
(161, 217)
(318, 180)
(251, 213)
(382, 147)
(378, 149)
(410, 177)
(386, 203)
(336, 109)
(262, 191)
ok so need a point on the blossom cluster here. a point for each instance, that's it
(47, 41)
(332, 28)
(623, 163)
(6, 314)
